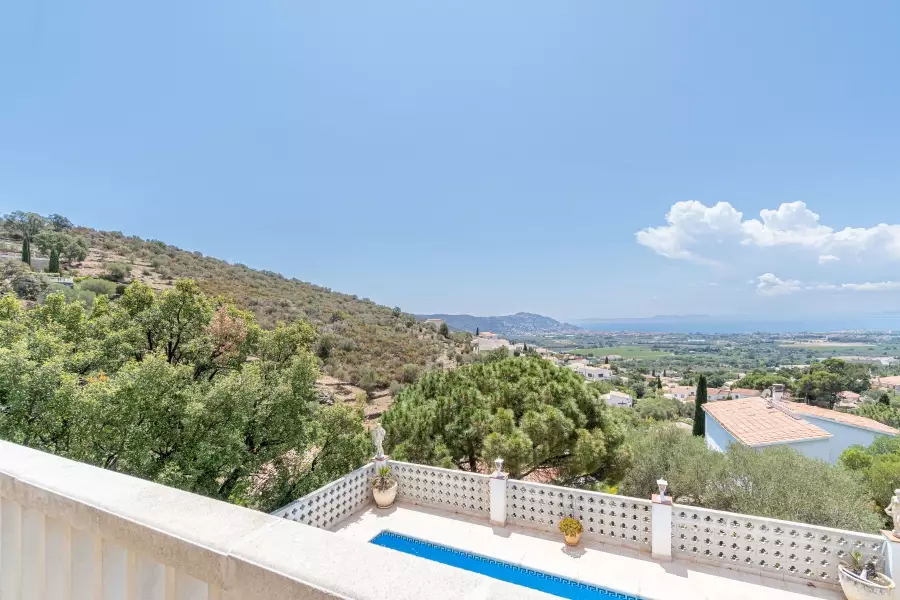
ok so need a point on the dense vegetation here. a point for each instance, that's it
(178, 388)
(358, 340)
(879, 466)
(526, 410)
(749, 481)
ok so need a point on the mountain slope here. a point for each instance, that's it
(519, 324)
(359, 341)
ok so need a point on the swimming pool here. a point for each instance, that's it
(544, 582)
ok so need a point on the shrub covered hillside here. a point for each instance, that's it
(358, 340)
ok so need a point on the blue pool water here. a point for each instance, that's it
(550, 584)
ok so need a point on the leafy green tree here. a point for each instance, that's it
(162, 387)
(70, 248)
(748, 481)
(881, 413)
(759, 380)
(528, 411)
(53, 267)
(25, 224)
(699, 400)
(444, 330)
(59, 222)
(658, 409)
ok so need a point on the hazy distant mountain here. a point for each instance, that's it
(519, 324)
(743, 324)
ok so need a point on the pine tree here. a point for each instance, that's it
(26, 251)
(54, 261)
(699, 401)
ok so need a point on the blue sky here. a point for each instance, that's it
(481, 157)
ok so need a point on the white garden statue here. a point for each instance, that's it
(893, 510)
(378, 438)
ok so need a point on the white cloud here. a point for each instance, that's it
(769, 284)
(691, 225)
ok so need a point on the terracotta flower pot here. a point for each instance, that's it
(385, 498)
(855, 588)
(572, 540)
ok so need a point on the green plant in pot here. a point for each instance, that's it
(384, 488)
(571, 528)
(860, 579)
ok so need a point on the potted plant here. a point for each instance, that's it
(861, 581)
(384, 487)
(571, 528)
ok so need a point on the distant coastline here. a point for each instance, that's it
(710, 324)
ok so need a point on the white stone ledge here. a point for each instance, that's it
(244, 553)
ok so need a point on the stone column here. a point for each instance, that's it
(498, 494)
(661, 524)
(892, 554)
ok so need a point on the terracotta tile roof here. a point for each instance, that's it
(849, 395)
(839, 417)
(756, 422)
(745, 392)
(889, 381)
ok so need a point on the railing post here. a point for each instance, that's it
(498, 494)
(661, 524)
(891, 554)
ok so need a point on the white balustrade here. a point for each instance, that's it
(332, 504)
(451, 490)
(608, 518)
(767, 546)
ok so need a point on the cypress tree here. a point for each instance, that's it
(525, 348)
(658, 382)
(26, 251)
(606, 362)
(477, 332)
(54, 261)
(699, 401)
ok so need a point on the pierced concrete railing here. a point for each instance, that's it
(767, 546)
(607, 518)
(455, 491)
(331, 505)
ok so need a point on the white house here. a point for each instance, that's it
(815, 432)
(592, 373)
(741, 393)
(615, 398)
(682, 392)
(486, 344)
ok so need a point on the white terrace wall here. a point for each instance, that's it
(606, 518)
(767, 546)
(330, 505)
(70, 531)
(455, 491)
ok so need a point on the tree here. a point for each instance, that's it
(477, 332)
(606, 360)
(528, 411)
(748, 480)
(25, 224)
(659, 384)
(69, 247)
(699, 401)
(444, 330)
(26, 252)
(53, 267)
(161, 387)
(59, 222)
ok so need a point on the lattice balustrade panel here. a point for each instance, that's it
(778, 547)
(330, 505)
(456, 491)
(605, 517)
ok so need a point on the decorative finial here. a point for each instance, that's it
(663, 484)
(893, 511)
(498, 464)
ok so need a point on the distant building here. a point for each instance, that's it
(884, 361)
(848, 400)
(436, 323)
(591, 373)
(487, 335)
(741, 393)
(887, 383)
(481, 344)
(616, 398)
(815, 432)
(682, 392)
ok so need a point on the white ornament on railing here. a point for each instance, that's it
(893, 511)
(378, 438)
(663, 484)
